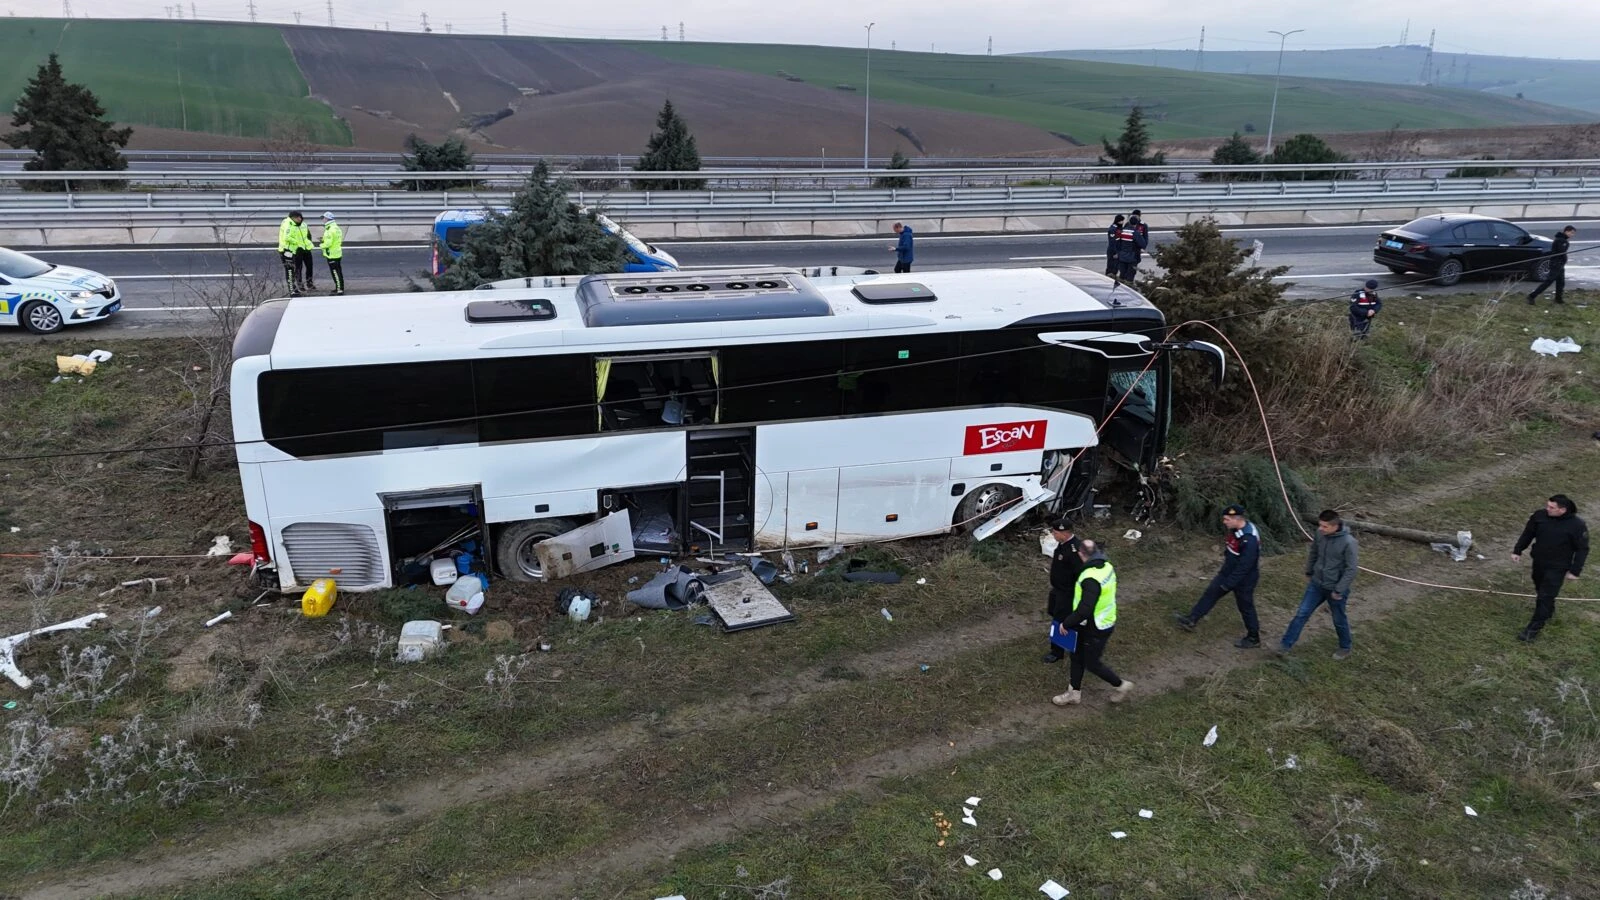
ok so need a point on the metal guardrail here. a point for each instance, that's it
(381, 207)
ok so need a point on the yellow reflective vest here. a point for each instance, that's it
(1105, 607)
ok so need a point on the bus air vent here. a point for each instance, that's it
(343, 551)
(661, 298)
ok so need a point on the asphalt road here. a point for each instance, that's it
(162, 285)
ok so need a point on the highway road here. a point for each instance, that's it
(162, 285)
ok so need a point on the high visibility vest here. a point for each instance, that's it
(304, 236)
(288, 236)
(1105, 608)
(332, 241)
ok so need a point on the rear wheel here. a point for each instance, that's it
(40, 317)
(1540, 270)
(1450, 272)
(1398, 270)
(514, 553)
(983, 504)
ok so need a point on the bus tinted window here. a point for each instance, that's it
(1016, 367)
(780, 381)
(895, 374)
(550, 396)
(312, 412)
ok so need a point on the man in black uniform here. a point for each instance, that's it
(1113, 268)
(1558, 265)
(1560, 547)
(1064, 568)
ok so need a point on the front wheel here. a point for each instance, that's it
(1540, 270)
(41, 318)
(514, 551)
(983, 504)
(1450, 272)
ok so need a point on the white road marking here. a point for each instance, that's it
(1330, 275)
(214, 248)
(179, 277)
(1027, 258)
(151, 309)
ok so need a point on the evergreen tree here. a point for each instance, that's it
(65, 127)
(897, 161)
(1132, 148)
(1204, 275)
(1306, 149)
(1234, 152)
(543, 233)
(451, 155)
(671, 149)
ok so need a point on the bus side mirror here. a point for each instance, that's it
(1219, 361)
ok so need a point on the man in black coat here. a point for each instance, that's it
(1560, 543)
(1113, 267)
(1558, 265)
(1064, 568)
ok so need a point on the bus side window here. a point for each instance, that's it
(783, 381)
(520, 398)
(899, 374)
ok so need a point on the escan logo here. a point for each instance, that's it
(1005, 437)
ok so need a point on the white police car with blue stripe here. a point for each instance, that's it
(45, 298)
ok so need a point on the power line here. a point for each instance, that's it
(252, 7)
(330, 13)
(505, 26)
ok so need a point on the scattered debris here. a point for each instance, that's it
(922, 581)
(886, 614)
(973, 801)
(925, 667)
(1119, 835)
(600, 543)
(1147, 814)
(318, 599)
(969, 861)
(764, 570)
(443, 571)
(418, 640)
(744, 602)
(15, 529)
(465, 594)
(575, 604)
(75, 365)
(545, 647)
(675, 588)
(1541, 346)
(1052, 890)
(1293, 762)
(221, 545)
(100, 356)
(245, 558)
(995, 875)
(1470, 811)
(1460, 542)
(969, 820)
(965, 811)
(11, 704)
(1211, 737)
(829, 553)
(1132, 534)
(8, 646)
(215, 619)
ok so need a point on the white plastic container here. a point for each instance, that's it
(443, 571)
(419, 640)
(466, 594)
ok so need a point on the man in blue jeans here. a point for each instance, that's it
(1330, 571)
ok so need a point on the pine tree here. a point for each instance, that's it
(451, 155)
(671, 149)
(543, 233)
(1234, 152)
(1132, 147)
(897, 161)
(1305, 149)
(65, 127)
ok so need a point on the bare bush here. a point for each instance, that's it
(1394, 146)
(502, 678)
(136, 763)
(53, 576)
(32, 751)
(342, 728)
(289, 147)
(1356, 860)
(84, 678)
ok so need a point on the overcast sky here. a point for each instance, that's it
(1570, 29)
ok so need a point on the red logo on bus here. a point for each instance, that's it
(1005, 437)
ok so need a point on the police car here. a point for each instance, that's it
(45, 298)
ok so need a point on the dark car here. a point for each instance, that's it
(1446, 247)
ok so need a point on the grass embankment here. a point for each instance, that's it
(226, 79)
(1088, 100)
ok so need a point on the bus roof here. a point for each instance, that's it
(381, 328)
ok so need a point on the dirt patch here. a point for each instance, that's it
(1388, 752)
(192, 667)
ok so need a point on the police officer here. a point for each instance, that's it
(1113, 268)
(333, 251)
(288, 244)
(1093, 617)
(302, 254)
(1240, 572)
(1130, 244)
(1364, 307)
(1136, 222)
(1064, 568)
(1560, 542)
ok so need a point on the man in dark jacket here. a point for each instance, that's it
(1136, 222)
(1064, 568)
(1130, 243)
(1364, 307)
(1558, 265)
(903, 255)
(1560, 543)
(1093, 617)
(1330, 571)
(1241, 570)
(1113, 268)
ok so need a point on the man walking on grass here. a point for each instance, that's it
(1560, 542)
(1065, 566)
(1093, 617)
(1241, 570)
(1330, 571)
(1558, 265)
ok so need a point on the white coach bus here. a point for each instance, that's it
(741, 409)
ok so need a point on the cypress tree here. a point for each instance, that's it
(65, 127)
(670, 149)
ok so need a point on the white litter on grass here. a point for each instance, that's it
(922, 581)
(1119, 835)
(673, 897)
(969, 820)
(995, 874)
(1147, 814)
(1470, 811)
(969, 861)
(965, 811)
(212, 621)
(100, 356)
(221, 545)
(1547, 347)
(1052, 890)
(15, 529)
(1293, 762)
(1132, 534)
(1211, 737)
(886, 614)
(974, 801)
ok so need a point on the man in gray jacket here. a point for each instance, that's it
(1330, 571)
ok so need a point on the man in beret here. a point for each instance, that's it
(1241, 570)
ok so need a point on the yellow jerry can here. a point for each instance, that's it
(319, 598)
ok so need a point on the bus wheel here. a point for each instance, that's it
(983, 503)
(514, 551)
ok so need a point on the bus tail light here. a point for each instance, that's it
(258, 544)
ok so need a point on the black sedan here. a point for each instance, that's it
(1446, 247)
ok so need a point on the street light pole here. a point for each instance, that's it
(1283, 38)
(866, 125)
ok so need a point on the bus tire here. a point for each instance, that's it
(982, 503)
(514, 554)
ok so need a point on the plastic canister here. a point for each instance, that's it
(579, 609)
(464, 563)
(466, 594)
(318, 599)
(419, 640)
(443, 571)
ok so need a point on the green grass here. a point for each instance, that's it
(237, 80)
(1088, 100)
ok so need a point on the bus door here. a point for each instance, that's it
(1133, 420)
